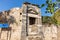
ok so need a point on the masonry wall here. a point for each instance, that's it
(50, 32)
(14, 30)
(17, 29)
(16, 18)
(58, 34)
(34, 31)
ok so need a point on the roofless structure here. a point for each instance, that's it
(24, 23)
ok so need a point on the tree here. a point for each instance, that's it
(50, 6)
(46, 19)
(57, 16)
(50, 9)
(58, 0)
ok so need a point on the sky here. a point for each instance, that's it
(8, 4)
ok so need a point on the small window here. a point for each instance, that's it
(31, 20)
(20, 20)
(20, 13)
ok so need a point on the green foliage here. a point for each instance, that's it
(42, 5)
(46, 19)
(47, 2)
(56, 17)
(54, 21)
(58, 0)
(49, 20)
(50, 9)
(50, 6)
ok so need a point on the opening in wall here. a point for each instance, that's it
(32, 20)
(20, 13)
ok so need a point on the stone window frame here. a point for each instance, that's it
(29, 31)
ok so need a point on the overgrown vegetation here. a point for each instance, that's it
(57, 16)
(50, 9)
(49, 20)
(50, 6)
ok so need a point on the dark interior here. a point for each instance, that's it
(32, 20)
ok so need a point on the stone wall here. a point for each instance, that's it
(50, 32)
(33, 31)
(15, 23)
(19, 24)
(20, 30)
(58, 35)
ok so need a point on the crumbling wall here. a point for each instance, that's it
(14, 30)
(50, 32)
(10, 34)
(58, 35)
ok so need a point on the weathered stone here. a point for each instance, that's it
(20, 26)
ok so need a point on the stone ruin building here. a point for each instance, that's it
(25, 24)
